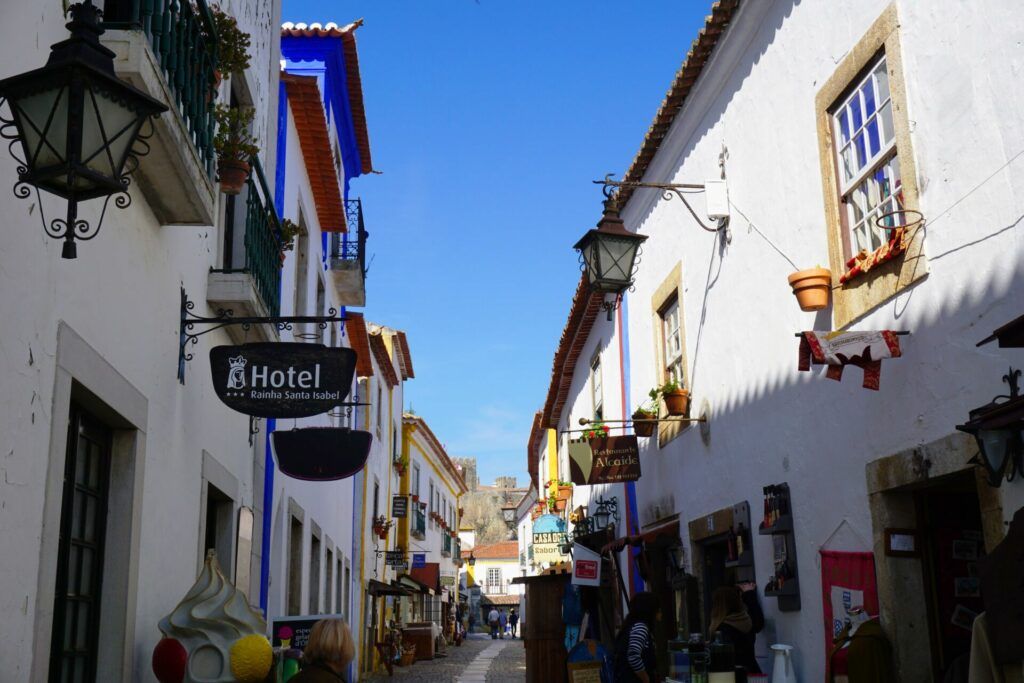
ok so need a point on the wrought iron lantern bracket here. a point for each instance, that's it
(679, 190)
(225, 317)
(999, 426)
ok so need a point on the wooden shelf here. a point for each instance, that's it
(783, 524)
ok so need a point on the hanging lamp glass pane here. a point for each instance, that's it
(44, 137)
(108, 129)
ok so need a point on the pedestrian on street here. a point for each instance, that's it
(327, 654)
(736, 614)
(513, 621)
(492, 621)
(634, 646)
(502, 622)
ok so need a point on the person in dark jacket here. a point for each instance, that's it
(635, 658)
(736, 614)
(327, 654)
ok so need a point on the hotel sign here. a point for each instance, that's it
(604, 460)
(286, 379)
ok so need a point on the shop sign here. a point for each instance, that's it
(447, 580)
(396, 559)
(293, 632)
(400, 506)
(548, 536)
(419, 560)
(604, 460)
(586, 566)
(282, 379)
(321, 453)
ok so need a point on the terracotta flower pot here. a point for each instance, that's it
(232, 174)
(812, 288)
(644, 428)
(677, 402)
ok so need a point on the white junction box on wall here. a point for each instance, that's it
(716, 194)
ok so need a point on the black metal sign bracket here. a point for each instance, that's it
(225, 317)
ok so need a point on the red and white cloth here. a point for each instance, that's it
(839, 349)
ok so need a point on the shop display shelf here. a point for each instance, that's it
(783, 524)
(791, 587)
(746, 559)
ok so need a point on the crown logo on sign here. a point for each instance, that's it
(237, 362)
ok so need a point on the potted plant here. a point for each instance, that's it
(812, 288)
(401, 463)
(381, 524)
(677, 399)
(232, 45)
(289, 231)
(234, 145)
(597, 430)
(645, 420)
(415, 498)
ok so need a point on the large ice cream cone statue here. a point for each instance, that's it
(213, 635)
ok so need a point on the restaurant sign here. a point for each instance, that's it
(286, 379)
(395, 558)
(548, 537)
(604, 460)
(400, 506)
(321, 453)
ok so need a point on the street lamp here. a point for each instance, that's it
(997, 429)
(76, 122)
(509, 515)
(471, 561)
(609, 254)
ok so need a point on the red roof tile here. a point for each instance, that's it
(715, 25)
(496, 551)
(307, 107)
(380, 352)
(404, 357)
(533, 446)
(355, 327)
(353, 78)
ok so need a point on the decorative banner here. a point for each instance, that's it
(282, 379)
(419, 560)
(399, 506)
(548, 535)
(847, 581)
(321, 453)
(586, 566)
(604, 460)
(396, 559)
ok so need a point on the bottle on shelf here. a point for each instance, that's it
(741, 541)
(722, 661)
(698, 659)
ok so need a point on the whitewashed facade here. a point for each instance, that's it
(852, 457)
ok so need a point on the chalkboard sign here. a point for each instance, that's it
(400, 506)
(321, 453)
(286, 379)
(396, 558)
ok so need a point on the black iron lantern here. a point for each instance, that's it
(76, 123)
(508, 513)
(609, 254)
(998, 429)
(471, 561)
(605, 510)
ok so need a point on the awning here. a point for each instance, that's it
(1010, 335)
(379, 588)
(499, 600)
(670, 529)
(417, 586)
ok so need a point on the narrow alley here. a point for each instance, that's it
(478, 660)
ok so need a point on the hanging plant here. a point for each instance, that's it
(234, 145)
(597, 430)
(289, 231)
(644, 420)
(232, 44)
(677, 399)
(381, 524)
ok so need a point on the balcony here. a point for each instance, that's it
(347, 257)
(162, 48)
(418, 528)
(249, 283)
(446, 545)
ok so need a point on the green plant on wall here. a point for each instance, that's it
(234, 140)
(289, 231)
(232, 43)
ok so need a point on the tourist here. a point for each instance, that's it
(635, 658)
(327, 654)
(492, 621)
(502, 623)
(736, 614)
(513, 621)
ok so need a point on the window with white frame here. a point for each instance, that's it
(597, 387)
(493, 578)
(867, 160)
(416, 480)
(433, 506)
(671, 342)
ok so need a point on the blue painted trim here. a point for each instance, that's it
(632, 513)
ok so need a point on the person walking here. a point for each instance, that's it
(513, 621)
(492, 621)
(634, 658)
(327, 654)
(737, 615)
(502, 623)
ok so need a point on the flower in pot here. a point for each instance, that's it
(597, 430)
(677, 399)
(381, 524)
(645, 420)
(812, 288)
(234, 145)
(232, 44)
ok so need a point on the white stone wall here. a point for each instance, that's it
(121, 298)
(770, 423)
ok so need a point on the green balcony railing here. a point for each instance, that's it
(263, 240)
(419, 525)
(446, 545)
(183, 38)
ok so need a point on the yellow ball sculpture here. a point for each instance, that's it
(251, 658)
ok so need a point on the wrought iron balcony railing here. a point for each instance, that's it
(419, 523)
(183, 38)
(446, 545)
(351, 246)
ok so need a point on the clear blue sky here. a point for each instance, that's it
(489, 120)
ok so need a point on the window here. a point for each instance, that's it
(493, 579)
(376, 497)
(596, 387)
(295, 568)
(314, 575)
(671, 343)
(329, 578)
(380, 407)
(867, 159)
(415, 480)
(218, 527)
(301, 303)
(433, 507)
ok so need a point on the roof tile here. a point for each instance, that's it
(355, 327)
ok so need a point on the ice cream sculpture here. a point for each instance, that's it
(213, 635)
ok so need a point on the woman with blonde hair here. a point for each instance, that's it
(736, 614)
(327, 654)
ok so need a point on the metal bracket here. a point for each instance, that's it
(680, 190)
(225, 317)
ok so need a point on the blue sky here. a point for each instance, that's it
(489, 120)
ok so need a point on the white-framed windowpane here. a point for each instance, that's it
(863, 124)
(494, 576)
(597, 388)
(672, 347)
(881, 192)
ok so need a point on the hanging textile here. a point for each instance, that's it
(839, 349)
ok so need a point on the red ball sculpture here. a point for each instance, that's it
(169, 661)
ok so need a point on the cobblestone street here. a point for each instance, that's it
(478, 660)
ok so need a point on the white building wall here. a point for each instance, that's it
(770, 423)
(118, 303)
